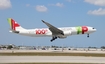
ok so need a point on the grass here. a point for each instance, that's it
(51, 54)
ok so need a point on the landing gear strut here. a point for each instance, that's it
(53, 39)
(87, 35)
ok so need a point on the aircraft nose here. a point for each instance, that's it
(94, 30)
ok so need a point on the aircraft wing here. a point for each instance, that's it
(53, 29)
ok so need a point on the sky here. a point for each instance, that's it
(60, 13)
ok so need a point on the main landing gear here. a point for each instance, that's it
(88, 35)
(53, 38)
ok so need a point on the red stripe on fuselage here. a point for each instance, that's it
(12, 23)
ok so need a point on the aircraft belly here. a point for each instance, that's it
(41, 35)
(34, 35)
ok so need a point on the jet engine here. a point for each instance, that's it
(66, 33)
(62, 37)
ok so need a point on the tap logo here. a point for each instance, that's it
(81, 30)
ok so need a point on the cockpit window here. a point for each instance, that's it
(93, 28)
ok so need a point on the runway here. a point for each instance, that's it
(41, 59)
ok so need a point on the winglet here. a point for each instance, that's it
(43, 21)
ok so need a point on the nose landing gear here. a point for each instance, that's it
(88, 35)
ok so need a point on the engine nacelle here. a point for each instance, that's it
(62, 37)
(67, 33)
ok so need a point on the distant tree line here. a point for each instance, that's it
(10, 47)
(103, 47)
(7, 47)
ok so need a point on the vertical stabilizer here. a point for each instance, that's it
(14, 25)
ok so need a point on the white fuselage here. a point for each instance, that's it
(51, 31)
(68, 31)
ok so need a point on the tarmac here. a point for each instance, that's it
(45, 59)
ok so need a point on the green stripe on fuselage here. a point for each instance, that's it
(79, 29)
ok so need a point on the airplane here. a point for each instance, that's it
(51, 31)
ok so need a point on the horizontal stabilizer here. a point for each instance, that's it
(11, 30)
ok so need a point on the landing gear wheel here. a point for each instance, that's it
(51, 40)
(88, 35)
